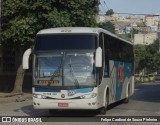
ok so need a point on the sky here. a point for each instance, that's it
(131, 6)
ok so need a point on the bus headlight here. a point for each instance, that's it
(88, 96)
(93, 95)
(39, 96)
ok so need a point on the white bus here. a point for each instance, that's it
(80, 68)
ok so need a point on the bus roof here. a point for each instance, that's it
(78, 30)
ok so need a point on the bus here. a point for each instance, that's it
(80, 68)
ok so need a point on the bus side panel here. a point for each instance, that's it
(120, 78)
(132, 86)
(102, 91)
(112, 82)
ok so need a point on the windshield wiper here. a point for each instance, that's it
(74, 77)
(56, 73)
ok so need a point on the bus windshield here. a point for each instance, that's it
(65, 68)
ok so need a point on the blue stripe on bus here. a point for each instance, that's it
(83, 90)
(39, 89)
(75, 91)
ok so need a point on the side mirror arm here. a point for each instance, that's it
(98, 57)
(25, 61)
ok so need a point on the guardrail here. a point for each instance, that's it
(146, 78)
(157, 77)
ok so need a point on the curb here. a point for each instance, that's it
(15, 98)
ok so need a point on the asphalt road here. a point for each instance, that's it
(144, 102)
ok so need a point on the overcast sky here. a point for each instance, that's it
(131, 6)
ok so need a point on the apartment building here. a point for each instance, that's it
(151, 20)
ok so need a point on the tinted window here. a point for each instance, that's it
(65, 41)
(116, 49)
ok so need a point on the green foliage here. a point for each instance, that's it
(109, 12)
(22, 19)
(107, 26)
(128, 36)
(152, 57)
(141, 24)
(125, 36)
(147, 57)
(140, 55)
(153, 48)
(156, 60)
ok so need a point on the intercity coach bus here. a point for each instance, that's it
(80, 68)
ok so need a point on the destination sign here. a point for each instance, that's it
(48, 82)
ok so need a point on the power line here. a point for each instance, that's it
(106, 5)
(103, 6)
(140, 14)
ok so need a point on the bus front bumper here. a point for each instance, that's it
(90, 104)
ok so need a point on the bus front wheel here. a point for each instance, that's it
(103, 110)
(53, 111)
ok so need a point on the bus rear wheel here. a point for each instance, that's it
(126, 100)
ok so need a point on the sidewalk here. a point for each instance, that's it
(8, 97)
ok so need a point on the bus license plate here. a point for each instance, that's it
(62, 104)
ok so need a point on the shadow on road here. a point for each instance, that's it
(29, 110)
(114, 105)
(74, 113)
(148, 92)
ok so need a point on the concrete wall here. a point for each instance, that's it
(145, 38)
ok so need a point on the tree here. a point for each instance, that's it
(21, 20)
(157, 62)
(147, 57)
(140, 56)
(109, 12)
(108, 26)
(152, 57)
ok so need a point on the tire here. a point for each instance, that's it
(53, 111)
(126, 100)
(103, 110)
(107, 100)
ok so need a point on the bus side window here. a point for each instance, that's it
(107, 55)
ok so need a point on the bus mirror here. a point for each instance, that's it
(98, 57)
(25, 61)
